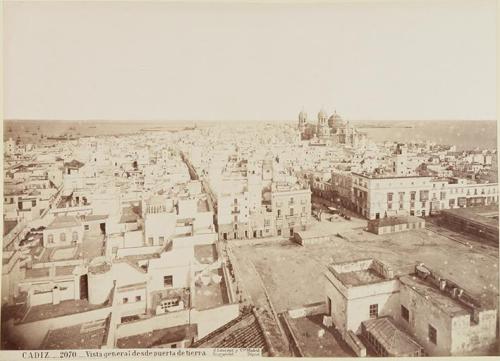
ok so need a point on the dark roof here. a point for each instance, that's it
(242, 332)
(74, 164)
(90, 335)
(158, 337)
(129, 215)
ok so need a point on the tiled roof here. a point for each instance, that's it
(242, 332)
(395, 341)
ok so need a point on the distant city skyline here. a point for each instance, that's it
(411, 60)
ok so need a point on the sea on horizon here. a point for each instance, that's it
(465, 135)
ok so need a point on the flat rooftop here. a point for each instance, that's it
(8, 226)
(330, 344)
(212, 295)
(69, 307)
(205, 253)
(203, 205)
(89, 335)
(434, 295)
(358, 278)
(293, 274)
(482, 215)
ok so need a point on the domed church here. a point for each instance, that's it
(335, 130)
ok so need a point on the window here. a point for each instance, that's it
(389, 205)
(389, 197)
(150, 240)
(168, 281)
(125, 300)
(50, 238)
(443, 196)
(236, 201)
(62, 237)
(279, 232)
(432, 335)
(291, 200)
(374, 310)
(424, 195)
(74, 237)
(162, 239)
(291, 211)
(33, 203)
(303, 209)
(279, 212)
(86, 227)
(405, 314)
(235, 219)
(138, 298)
(267, 222)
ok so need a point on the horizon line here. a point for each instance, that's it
(236, 120)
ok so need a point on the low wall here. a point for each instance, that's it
(211, 319)
(197, 239)
(309, 310)
(133, 251)
(153, 323)
(297, 350)
(311, 240)
(207, 320)
(355, 344)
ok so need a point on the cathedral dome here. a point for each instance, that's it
(336, 121)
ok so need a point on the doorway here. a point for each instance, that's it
(84, 288)
(102, 226)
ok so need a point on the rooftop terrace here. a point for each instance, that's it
(89, 335)
(46, 311)
(361, 272)
(212, 294)
(292, 274)
(330, 344)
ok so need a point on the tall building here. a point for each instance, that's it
(380, 196)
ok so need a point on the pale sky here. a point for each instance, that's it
(135, 60)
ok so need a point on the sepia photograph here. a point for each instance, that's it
(249, 178)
